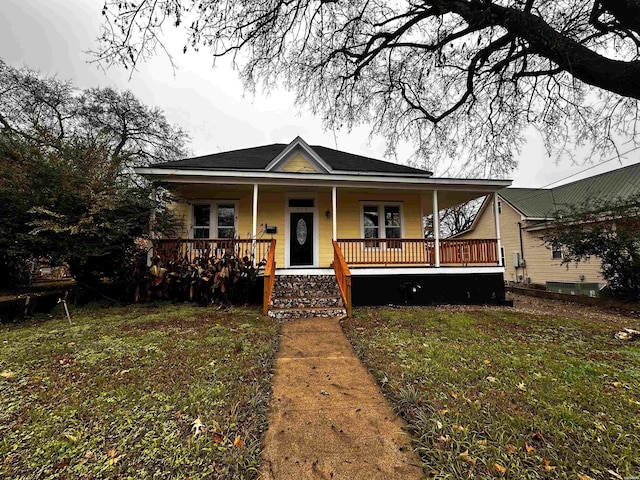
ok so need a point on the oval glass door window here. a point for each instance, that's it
(301, 231)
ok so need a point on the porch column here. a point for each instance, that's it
(436, 228)
(334, 205)
(255, 211)
(496, 216)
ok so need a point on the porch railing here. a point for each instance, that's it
(180, 250)
(468, 251)
(405, 251)
(269, 277)
(343, 276)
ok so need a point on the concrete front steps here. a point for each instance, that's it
(300, 296)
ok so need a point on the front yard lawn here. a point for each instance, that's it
(137, 392)
(494, 392)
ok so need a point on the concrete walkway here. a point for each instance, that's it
(327, 418)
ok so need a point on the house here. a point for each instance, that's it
(316, 212)
(524, 214)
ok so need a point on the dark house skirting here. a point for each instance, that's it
(401, 289)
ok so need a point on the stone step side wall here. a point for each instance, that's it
(299, 296)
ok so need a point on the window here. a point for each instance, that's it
(502, 260)
(201, 221)
(556, 252)
(214, 220)
(381, 221)
(301, 203)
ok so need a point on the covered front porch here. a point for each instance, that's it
(371, 239)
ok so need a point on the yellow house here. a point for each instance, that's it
(315, 211)
(525, 213)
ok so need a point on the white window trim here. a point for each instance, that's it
(381, 227)
(213, 215)
(287, 227)
(557, 248)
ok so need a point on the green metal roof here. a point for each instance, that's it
(545, 202)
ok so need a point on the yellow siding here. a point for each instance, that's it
(299, 164)
(540, 267)
(181, 211)
(349, 212)
(271, 212)
(325, 229)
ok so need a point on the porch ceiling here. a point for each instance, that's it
(446, 198)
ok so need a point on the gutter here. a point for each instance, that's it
(285, 178)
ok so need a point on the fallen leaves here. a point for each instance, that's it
(112, 458)
(529, 448)
(510, 448)
(238, 442)
(8, 374)
(499, 468)
(466, 458)
(546, 465)
(197, 427)
(584, 476)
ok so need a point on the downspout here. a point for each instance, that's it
(521, 253)
(521, 247)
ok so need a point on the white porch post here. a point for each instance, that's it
(255, 211)
(334, 205)
(254, 245)
(436, 228)
(496, 216)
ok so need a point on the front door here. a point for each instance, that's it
(301, 239)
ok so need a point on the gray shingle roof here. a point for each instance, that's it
(257, 158)
(543, 203)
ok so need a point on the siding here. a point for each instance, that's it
(298, 163)
(540, 267)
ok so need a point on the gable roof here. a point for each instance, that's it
(262, 157)
(543, 203)
(540, 203)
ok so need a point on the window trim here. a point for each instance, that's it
(213, 215)
(382, 227)
(556, 249)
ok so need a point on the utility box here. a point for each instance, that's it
(575, 288)
(518, 261)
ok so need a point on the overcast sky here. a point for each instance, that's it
(53, 36)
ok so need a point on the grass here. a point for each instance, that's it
(137, 392)
(496, 393)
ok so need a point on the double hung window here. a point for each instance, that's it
(380, 221)
(214, 220)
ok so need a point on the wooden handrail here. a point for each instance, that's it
(420, 251)
(178, 250)
(269, 277)
(343, 276)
